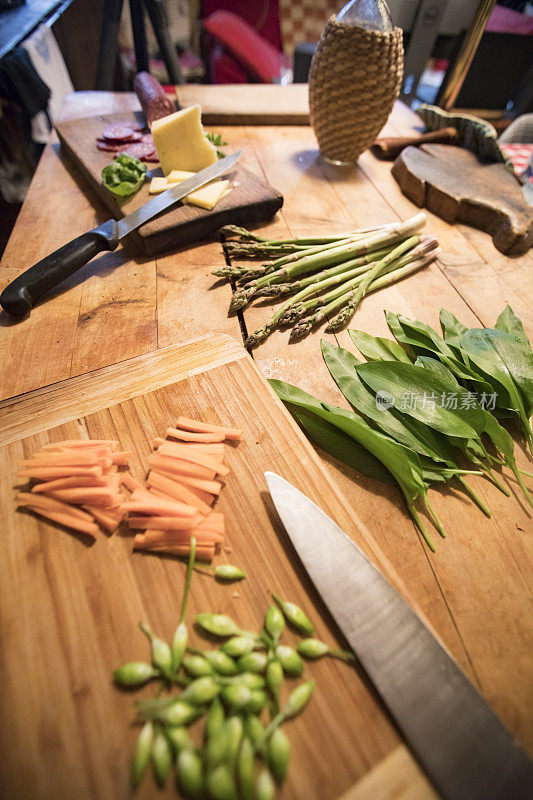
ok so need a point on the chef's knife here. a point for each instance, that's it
(459, 742)
(18, 297)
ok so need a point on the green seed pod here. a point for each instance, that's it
(179, 645)
(295, 616)
(274, 622)
(201, 691)
(217, 624)
(266, 788)
(274, 677)
(161, 757)
(221, 662)
(246, 769)
(298, 698)
(227, 572)
(162, 656)
(250, 679)
(178, 713)
(290, 660)
(312, 648)
(216, 749)
(197, 666)
(237, 696)
(233, 731)
(278, 753)
(134, 674)
(238, 646)
(258, 701)
(190, 774)
(215, 718)
(254, 730)
(220, 784)
(178, 737)
(253, 662)
(142, 754)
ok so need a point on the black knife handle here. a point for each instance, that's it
(19, 296)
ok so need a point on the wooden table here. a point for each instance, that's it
(474, 589)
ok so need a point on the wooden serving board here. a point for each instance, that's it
(451, 182)
(251, 200)
(70, 611)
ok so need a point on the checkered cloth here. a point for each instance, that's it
(304, 20)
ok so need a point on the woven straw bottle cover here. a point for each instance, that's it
(355, 78)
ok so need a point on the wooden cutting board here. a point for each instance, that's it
(70, 611)
(251, 200)
(451, 182)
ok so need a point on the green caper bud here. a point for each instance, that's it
(236, 696)
(227, 572)
(134, 674)
(190, 774)
(161, 757)
(221, 662)
(201, 691)
(295, 616)
(266, 788)
(238, 646)
(253, 662)
(178, 737)
(258, 701)
(217, 624)
(274, 622)
(290, 660)
(197, 666)
(278, 752)
(142, 753)
(220, 784)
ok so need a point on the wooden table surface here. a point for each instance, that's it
(122, 305)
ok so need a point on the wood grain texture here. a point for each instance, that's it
(392, 779)
(476, 590)
(257, 104)
(453, 183)
(249, 201)
(70, 610)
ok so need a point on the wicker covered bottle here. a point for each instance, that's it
(355, 78)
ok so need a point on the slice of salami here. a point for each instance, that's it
(112, 147)
(140, 150)
(152, 159)
(118, 132)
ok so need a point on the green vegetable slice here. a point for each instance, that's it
(124, 176)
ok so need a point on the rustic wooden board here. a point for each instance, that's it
(250, 200)
(70, 611)
(453, 183)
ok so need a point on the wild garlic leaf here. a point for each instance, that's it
(419, 394)
(404, 429)
(452, 329)
(375, 348)
(510, 323)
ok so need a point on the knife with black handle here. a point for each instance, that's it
(20, 295)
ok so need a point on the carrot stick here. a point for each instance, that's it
(130, 482)
(46, 473)
(205, 497)
(122, 457)
(109, 520)
(162, 523)
(202, 427)
(80, 443)
(215, 451)
(69, 483)
(61, 459)
(188, 453)
(69, 520)
(211, 487)
(94, 496)
(155, 538)
(43, 501)
(160, 508)
(214, 521)
(189, 436)
(178, 491)
(180, 466)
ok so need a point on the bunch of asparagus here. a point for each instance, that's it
(327, 277)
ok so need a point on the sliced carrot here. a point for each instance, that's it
(69, 520)
(122, 457)
(215, 451)
(203, 427)
(189, 436)
(212, 522)
(61, 459)
(178, 491)
(180, 467)
(153, 538)
(44, 501)
(75, 443)
(130, 482)
(106, 517)
(74, 482)
(95, 496)
(160, 508)
(205, 497)
(162, 523)
(211, 487)
(47, 473)
(188, 453)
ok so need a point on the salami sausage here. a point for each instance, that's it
(155, 103)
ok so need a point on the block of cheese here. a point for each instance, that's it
(180, 141)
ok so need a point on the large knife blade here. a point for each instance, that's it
(18, 297)
(460, 743)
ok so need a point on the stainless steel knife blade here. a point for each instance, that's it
(167, 198)
(465, 750)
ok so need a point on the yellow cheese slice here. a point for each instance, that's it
(178, 175)
(208, 196)
(180, 141)
(158, 185)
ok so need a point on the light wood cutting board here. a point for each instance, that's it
(70, 611)
(251, 200)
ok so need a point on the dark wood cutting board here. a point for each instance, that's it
(452, 183)
(250, 200)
